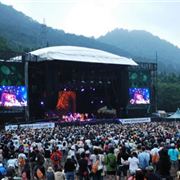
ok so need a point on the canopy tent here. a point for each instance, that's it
(176, 115)
(77, 54)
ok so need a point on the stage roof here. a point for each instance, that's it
(78, 54)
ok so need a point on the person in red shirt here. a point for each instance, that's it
(56, 158)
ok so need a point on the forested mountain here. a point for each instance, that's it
(20, 33)
(144, 46)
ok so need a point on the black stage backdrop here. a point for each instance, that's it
(95, 85)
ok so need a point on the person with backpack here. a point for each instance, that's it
(56, 157)
(111, 164)
(154, 156)
(50, 174)
(97, 160)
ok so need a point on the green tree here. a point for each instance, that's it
(168, 92)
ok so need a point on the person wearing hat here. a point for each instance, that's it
(59, 175)
(50, 174)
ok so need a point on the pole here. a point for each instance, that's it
(26, 66)
(156, 82)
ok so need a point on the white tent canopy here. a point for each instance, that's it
(176, 115)
(79, 54)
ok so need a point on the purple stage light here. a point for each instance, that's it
(82, 90)
(101, 101)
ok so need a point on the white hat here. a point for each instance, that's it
(73, 147)
(87, 152)
(69, 157)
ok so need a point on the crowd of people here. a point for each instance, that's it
(149, 151)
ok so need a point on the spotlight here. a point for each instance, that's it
(92, 102)
(91, 82)
(109, 82)
(65, 89)
(101, 101)
(42, 103)
(94, 89)
(83, 81)
(100, 82)
(82, 90)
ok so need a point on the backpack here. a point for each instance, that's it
(95, 165)
(56, 157)
(112, 161)
(155, 158)
(21, 161)
(40, 175)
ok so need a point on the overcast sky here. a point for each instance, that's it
(97, 17)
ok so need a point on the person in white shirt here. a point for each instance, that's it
(133, 163)
(155, 150)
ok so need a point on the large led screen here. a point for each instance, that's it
(13, 96)
(139, 96)
(66, 102)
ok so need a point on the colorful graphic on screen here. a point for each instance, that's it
(13, 96)
(66, 102)
(139, 96)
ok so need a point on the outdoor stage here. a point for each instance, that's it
(67, 83)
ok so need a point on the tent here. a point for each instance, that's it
(176, 115)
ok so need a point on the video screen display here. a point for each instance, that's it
(139, 96)
(13, 96)
(66, 102)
